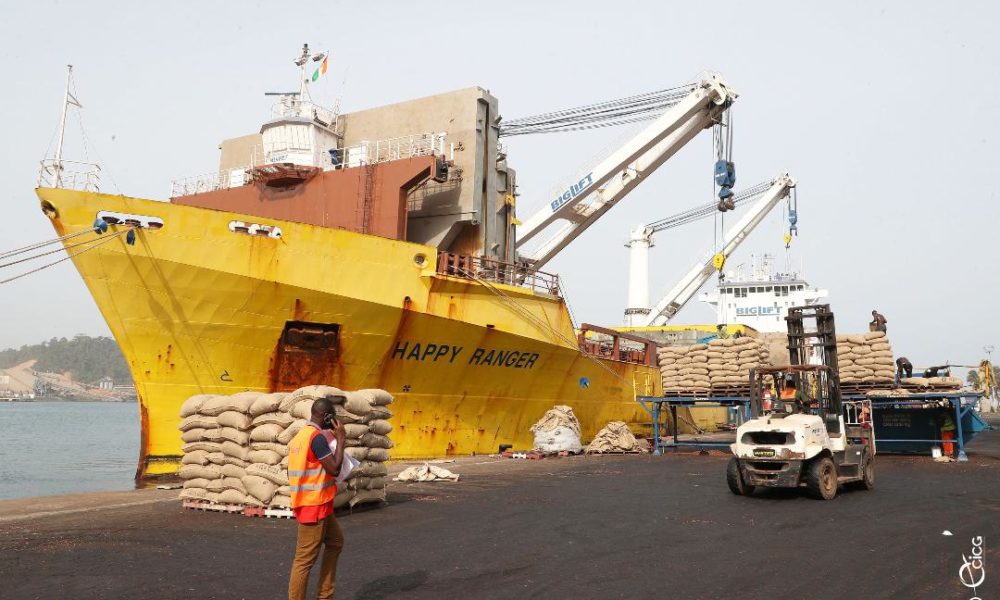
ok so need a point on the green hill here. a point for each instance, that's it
(89, 359)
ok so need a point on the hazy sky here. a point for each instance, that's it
(886, 113)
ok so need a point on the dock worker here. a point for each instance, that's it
(313, 464)
(904, 368)
(947, 433)
(878, 322)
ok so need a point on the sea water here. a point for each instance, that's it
(51, 448)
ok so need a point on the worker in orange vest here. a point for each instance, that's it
(313, 465)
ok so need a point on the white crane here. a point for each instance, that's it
(584, 201)
(638, 313)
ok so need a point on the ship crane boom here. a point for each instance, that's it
(584, 201)
(638, 314)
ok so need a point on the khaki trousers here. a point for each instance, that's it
(311, 538)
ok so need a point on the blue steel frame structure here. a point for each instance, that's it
(961, 402)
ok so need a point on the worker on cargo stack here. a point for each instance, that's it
(878, 322)
(904, 368)
(313, 465)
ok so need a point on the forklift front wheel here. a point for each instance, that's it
(822, 478)
(735, 479)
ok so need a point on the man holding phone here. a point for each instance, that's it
(312, 472)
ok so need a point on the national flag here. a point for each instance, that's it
(322, 68)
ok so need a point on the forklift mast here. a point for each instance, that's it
(825, 336)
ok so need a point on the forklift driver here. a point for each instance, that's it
(790, 394)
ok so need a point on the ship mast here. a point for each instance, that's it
(68, 99)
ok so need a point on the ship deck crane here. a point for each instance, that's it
(586, 199)
(638, 313)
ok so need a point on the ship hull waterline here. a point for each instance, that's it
(197, 308)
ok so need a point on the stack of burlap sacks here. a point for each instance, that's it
(865, 358)
(236, 447)
(720, 364)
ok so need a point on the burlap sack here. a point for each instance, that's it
(355, 430)
(197, 422)
(380, 427)
(857, 339)
(684, 362)
(274, 418)
(212, 435)
(699, 358)
(234, 435)
(194, 494)
(193, 404)
(225, 483)
(281, 449)
(374, 440)
(358, 453)
(881, 346)
(862, 350)
(874, 335)
(378, 397)
(368, 483)
(197, 482)
(378, 454)
(312, 392)
(698, 371)
(235, 450)
(369, 468)
(268, 457)
(234, 420)
(865, 361)
(272, 473)
(200, 472)
(233, 471)
(192, 435)
(222, 459)
(303, 409)
(260, 488)
(240, 402)
(350, 418)
(267, 403)
(280, 501)
(206, 446)
(267, 432)
(197, 457)
(231, 496)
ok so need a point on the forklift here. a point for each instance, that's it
(801, 433)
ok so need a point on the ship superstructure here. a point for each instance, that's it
(758, 296)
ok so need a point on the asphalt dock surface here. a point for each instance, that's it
(581, 527)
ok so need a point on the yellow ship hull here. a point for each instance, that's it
(198, 308)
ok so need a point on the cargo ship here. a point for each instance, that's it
(372, 249)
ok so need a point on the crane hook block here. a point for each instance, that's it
(793, 217)
(725, 173)
(719, 261)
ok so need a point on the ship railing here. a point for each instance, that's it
(496, 271)
(609, 344)
(70, 175)
(209, 182)
(398, 148)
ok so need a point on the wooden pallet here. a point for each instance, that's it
(243, 509)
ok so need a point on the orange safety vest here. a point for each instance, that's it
(309, 483)
(788, 394)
